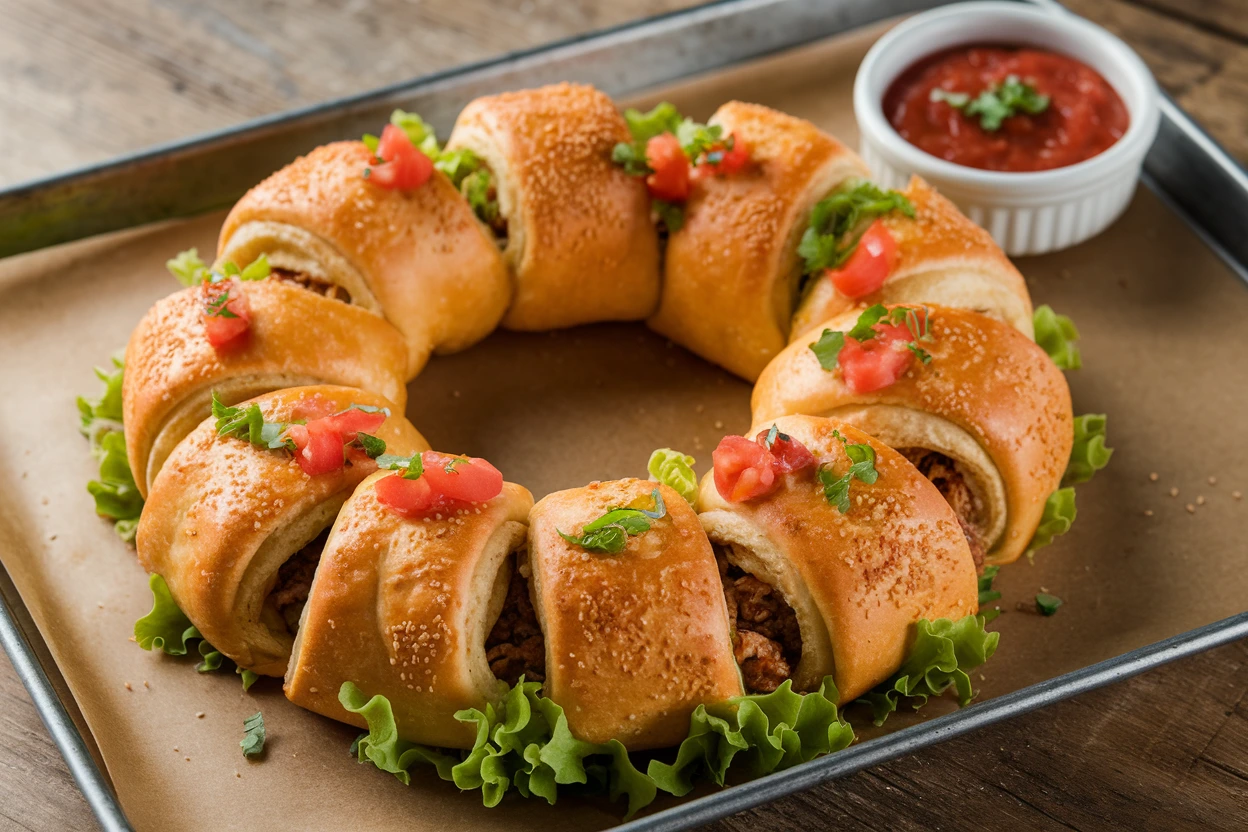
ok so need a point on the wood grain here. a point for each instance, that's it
(82, 81)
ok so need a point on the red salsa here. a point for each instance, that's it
(1080, 114)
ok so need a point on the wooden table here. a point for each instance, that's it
(81, 81)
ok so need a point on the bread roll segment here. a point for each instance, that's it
(990, 400)
(417, 256)
(856, 581)
(580, 243)
(296, 338)
(224, 515)
(732, 271)
(402, 606)
(637, 640)
(942, 258)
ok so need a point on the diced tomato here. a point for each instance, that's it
(352, 421)
(869, 266)
(670, 180)
(462, 479)
(318, 447)
(403, 165)
(788, 455)
(877, 363)
(226, 321)
(404, 496)
(743, 469)
(730, 161)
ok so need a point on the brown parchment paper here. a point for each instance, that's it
(1163, 354)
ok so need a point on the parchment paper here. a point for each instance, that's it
(1163, 354)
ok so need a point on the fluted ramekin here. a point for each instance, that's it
(1026, 213)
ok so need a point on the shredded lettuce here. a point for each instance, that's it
(1089, 453)
(1056, 334)
(942, 652)
(760, 733)
(609, 533)
(675, 470)
(1059, 516)
(418, 131)
(166, 627)
(525, 743)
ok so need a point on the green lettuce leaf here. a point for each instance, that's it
(116, 496)
(166, 627)
(211, 658)
(524, 743)
(987, 594)
(840, 219)
(188, 268)
(759, 733)
(675, 470)
(1089, 453)
(1056, 334)
(942, 652)
(1059, 516)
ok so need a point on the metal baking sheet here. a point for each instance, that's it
(1186, 171)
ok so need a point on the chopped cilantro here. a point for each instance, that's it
(862, 468)
(609, 533)
(248, 424)
(1047, 604)
(997, 103)
(253, 736)
(372, 446)
(840, 219)
(413, 467)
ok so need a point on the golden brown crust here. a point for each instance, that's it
(432, 268)
(399, 607)
(731, 271)
(634, 641)
(985, 379)
(296, 337)
(943, 258)
(580, 241)
(896, 556)
(224, 514)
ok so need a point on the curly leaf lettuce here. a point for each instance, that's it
(1059, 515)
(1089, 453)
(942, 652)
(674, 469)
(116, 496)
(525, 743)
(760, 733)
(1056, 334)
(166, 627)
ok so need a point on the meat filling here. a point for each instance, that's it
(294, 580)
(515, 646)
(944, 474)
(766, 639)
(321, 287)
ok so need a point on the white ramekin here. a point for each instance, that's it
(1026, 213)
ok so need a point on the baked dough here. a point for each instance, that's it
(296, 338)
(580, 243)
(856, 581)
(417, 256)
(731, 274)
(224, 515)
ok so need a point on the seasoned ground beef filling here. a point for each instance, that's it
(294, 580)
(766, 640)
(330, 290)
(515, 646)
(944, 474)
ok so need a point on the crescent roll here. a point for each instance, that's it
(942, 258)
(236, 529)
(732, 270)
(296, 338)
(988, 419)
(854, 582)
(404, 606)
(635, 641)
(579, 239)
(417, 256)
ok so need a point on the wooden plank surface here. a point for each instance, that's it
(82, 81)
